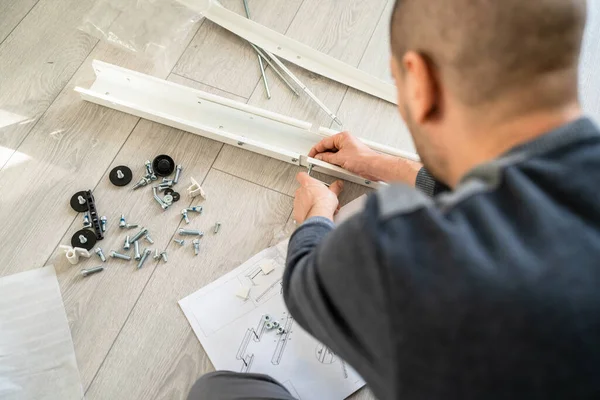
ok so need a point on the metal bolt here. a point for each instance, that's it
(86, 220)
(149, 169)
(158, 199)
(167, 181)
(156, 254)
(82, 239)
(100, 254)
(190, 232)
(136, 247)
(81, 200)
(149, 239)
(367, 182)
(131, 226)
(122, 223)
(143, 182)
(138, 235)
(90, 271)
(196, 243)
(164, 256)
(180, 242)
(103, 222)
(185, 216)
(114, 254)
(127, 244)
(144, 257)
(197, 209)
(217, 227)
(177, 173)
(165, 185)
(120, 174)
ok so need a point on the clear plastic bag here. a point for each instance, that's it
(151, 28)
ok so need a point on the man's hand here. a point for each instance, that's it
(347, 151)
(314, 199)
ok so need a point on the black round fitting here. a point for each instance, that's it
(163, 165)
(76, 205)
(90, 239)
(126, 177)
(176, 196)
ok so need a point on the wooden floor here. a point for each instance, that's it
(131, 339)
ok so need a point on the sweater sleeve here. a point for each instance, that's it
(427, 184)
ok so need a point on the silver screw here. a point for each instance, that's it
(82, 239)
(127, 244)
(100, 254)
(136, 247)
(185, 216)
(120, 174)
(138, 235)
(122, 223)
(149, 239)
(143, 182)
(114, 254)
(131, 226)
(86, 220)
(180, 242)
(103, 222)
(149, 169)
(81, 200)
(197, 209)
(196, 243)
(158, 199)
(156, 254)
(167, 181)
(164, 256)
(164, 186)
(144, 257)
(217, 227)
(190, 232)
(90, 271)
(177, 173)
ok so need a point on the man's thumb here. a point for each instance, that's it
(337, 187)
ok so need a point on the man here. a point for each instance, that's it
(488, 289)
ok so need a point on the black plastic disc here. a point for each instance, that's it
(176, 196)
(169, 191)
(75, 205)
(163, 165)
(127, 175)
(88, 235)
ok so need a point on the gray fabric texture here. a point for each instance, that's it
(226, 385)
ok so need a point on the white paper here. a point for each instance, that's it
(234, 335)
(37, 358)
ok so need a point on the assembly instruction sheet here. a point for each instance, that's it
(237, 333)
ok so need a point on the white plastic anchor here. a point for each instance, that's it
(73, 253)
(196, 190)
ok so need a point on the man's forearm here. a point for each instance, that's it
(383, 167)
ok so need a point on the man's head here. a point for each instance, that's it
(462, 64)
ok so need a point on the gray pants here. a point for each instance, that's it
(226, 385)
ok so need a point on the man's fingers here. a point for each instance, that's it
(303, 178)
(337, 187)
(329, 143)
(331, 158)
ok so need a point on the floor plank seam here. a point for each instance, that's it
(372, 34)
(16, 149)
(254, 183)
(210, 86)
(187, 47)
(19, 23)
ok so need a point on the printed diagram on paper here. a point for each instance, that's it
(237, 333)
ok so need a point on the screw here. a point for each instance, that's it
(367, 182)
(100, 254)
(82, 239)
(138, 235)
(149, 239)
(294, 160)
(217, 226)
(103, 222)
(190, 232)
(156, 254)
(90, 271)
(185, 216)
(81, 200)
(136, 246)
(177, 173)
(163, 186)
(120, 174)
(164, 256)
(196, 243)
(144, 257)
(167, 181)
(149, 170)
(122, 223)
(143, 182)
(131, 226)
(114, 254)
(180, 242)
(197, 209)
(86, 220)
(158, 199)
(127, 244)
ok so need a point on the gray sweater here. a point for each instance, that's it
(491, 291)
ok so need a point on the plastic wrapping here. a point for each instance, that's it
(151, 28)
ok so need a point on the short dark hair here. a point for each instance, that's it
(482, 48)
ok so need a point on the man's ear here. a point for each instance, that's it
(421, 88)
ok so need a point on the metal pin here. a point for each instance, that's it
(149, 239)
(196, 243)
(144, 257)
(217, 227)
(138, 235)
(127, 244)
(131, 226)
(190, 232)
(100, 254)
(143, 182)
(279, 74)
(156, 254)
(180, 242)
(136, 247)
(90, 271)
(177, 173)
(114, 254)
(122, 223)
(164, 256)
(260, 62)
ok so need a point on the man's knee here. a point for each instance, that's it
(227, 385)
